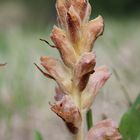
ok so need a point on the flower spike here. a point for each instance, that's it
(78, 79)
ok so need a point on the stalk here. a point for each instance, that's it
(80, 134)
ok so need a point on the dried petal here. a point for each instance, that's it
(67, 110)
(66, 50)
(95, 83)
(104, 130)
(74, 23)
(83, 69)
(59, 72)
(91, 32)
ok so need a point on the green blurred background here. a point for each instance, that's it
(25, 93)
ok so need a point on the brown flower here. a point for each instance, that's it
(64, 46)
(65, 108)
(59, 72)
(95, 83)
(83, 69)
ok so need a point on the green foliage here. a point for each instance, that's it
(38, 135)
(130, 123)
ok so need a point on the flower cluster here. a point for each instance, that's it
(78, 78)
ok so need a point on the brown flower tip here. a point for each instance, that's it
(65, 108)
(104, 130)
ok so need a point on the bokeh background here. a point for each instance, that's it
(25, 93)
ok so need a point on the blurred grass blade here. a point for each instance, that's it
(89, 119)
(38, 135)
(130, 122)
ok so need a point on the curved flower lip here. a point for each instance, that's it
(58, 71)
(91, 31)
(83, 69)
(95, 83)
(66, 109)
(103, 130)
(63, 45)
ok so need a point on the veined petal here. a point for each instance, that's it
(65, 48)
(59, 72)
(83, 69)
(74, 23)
(66, 109)
(95, 83)
(104, 130)
(91, 32)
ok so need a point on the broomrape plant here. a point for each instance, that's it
(78, 78)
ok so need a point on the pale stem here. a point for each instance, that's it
(80, 134)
